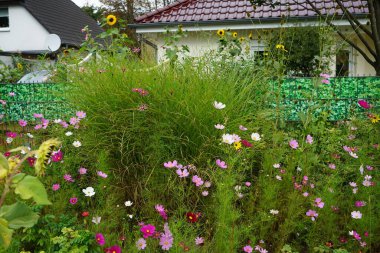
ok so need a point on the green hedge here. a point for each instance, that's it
(339, 98)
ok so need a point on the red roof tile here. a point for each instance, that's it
(225, 10)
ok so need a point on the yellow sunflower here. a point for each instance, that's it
(19, 66)
(220, 32)
(241, 39)
(234, 34)
(375, 118)
(111, 20)
(280, 46)
(237, 145)
(250, 36)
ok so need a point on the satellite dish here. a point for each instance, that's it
(53, 42)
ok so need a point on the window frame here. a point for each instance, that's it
(5, 29)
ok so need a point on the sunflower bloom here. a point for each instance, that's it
(241, 39)
(111, 20)
(220, 32)
(234, 34)
(237, 145)
(250, 36)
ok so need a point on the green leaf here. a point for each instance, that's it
(5, 234)
(31, 187)
(19, 215)
(3, 162)
(17, 178)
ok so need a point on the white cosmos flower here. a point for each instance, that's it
(228, 138)
(219, 105)
(77, 144)
(9, 140)
(128, 203)
(354, 155)
(57, 121)
(30, 135)
(278, 177)
(130, 216)
(255, 136)
(96, 219)
(356, 214)
(219, 126)
(69, 133)
(274, 212)
(89, 191)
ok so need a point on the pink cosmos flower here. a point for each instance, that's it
(38, 115)
(248, 249)
(22, 122)
(73, 201)
(166, 239)
(64, 124)
(326, 81)
(309, 139)
(141, 244)
(243, 128)
(101, 174)
(197, 181)
(369, 167)
(199, 241)
(12, 94)
(148, 230)
(207, 184)
(170, 164)
(11, 134)
(45, 123)
(56, 187)
(57, 156)
(182, 173)
(360, 203)
(248, 184)
(205, 193)
(68, 178)
(100, 239)
(313, 214)
(113, 249)
(37, 127)
(293, 144)
(161, 210)
(332, 166)
(82, 171)
(324, 75)
(74, 121)
(221, 164)
(318, 202)
(81, 115)
(364, 104)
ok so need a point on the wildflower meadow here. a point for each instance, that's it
(191, 155)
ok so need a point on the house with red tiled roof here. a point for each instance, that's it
(203, 18)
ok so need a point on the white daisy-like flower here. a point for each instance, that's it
(30, 135)
(274, 212)
(96, 219)
(238, 188)
(256, 136)
(219, 126)
(77, 144)
(228, 138)
(128, 203)
(354, 155)
(9, 140)
(356, 214)
(219, 105)
(276, 165)
(278, 177)
(57, 121)
(69, 133)
(89, 191)
(130, 216)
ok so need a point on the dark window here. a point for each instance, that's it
(4, 18)
(342, 63)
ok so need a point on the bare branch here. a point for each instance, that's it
(375, 31)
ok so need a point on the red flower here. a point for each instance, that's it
(192, 217)
(31, 161)
(7, 154)
(85, 214)
(246, 143)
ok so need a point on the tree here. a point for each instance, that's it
(368, 34)
(95, 12)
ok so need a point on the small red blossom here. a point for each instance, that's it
(192, 217)
(7, 154)
(31, 161)
(246, 143)
(85, 214)
(113, 249)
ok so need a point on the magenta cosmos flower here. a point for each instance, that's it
(248, 249)
(55, 187)
(364, 104)
(293, 144)
(313, 214)
(221, 164)
(100, 239)
(57, 156)
(148, 230)
(73, 201)
(22, 122)
(113, 249)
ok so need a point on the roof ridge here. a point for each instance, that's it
(149, 14)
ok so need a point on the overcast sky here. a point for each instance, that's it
(81, 3)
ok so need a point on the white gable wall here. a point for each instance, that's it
(25, 33)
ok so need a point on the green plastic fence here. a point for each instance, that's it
(338, 98)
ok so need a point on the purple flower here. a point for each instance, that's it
(73, 201)
(141, 244)
(197, 181)
(293, 144)
(309, 139)
(56, 187)
(22, 122)
(221, 164)
(68, 178)
(82, 171)
(182, 173)
(166, 239)
(313, 214)
(199, 241)
(360, 203)
(100, 239)
(248, 249)
(101, 174)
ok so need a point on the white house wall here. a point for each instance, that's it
(25, 33)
